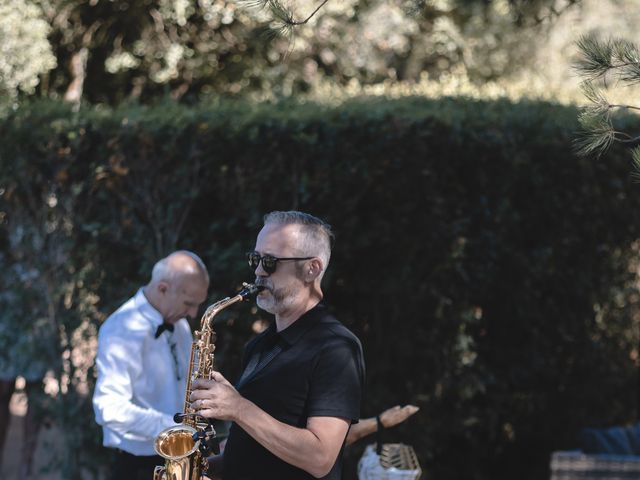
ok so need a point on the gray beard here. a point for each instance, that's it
(276, 303)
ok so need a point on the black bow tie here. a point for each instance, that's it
(163, 327)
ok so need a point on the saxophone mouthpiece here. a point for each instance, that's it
(249, 290)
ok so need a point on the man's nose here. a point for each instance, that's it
(259, 271)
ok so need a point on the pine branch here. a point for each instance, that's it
(595, 57)
(631, 73)
(616, 56)
(620, 58)
(599, 103)
(623, 107)
(624, 137)
(627, 60)
(596, 136)
(253, 4)
(280, 13)
(635, 158)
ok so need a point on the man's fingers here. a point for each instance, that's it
(200, 404)
(411, 409)
(202, 392)
(397, 414)
(407, 411)
(202, 383)
(217, 376)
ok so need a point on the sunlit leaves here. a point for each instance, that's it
(143, 49)
(25, 52)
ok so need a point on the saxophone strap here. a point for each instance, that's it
(379, 435)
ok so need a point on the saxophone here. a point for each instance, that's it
(185, 447)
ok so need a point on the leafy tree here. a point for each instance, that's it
(402, 39)
(108, 52)
(26, 53)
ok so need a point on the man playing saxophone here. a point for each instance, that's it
(302, 381)
(142, 362)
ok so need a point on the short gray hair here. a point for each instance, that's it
(164, 271)
(318, 237)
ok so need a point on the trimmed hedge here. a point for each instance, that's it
(489, 272)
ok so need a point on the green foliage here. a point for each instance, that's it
(26, 52)
(110, 52)
(490, 273)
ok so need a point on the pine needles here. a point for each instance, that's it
(604, 64)
(284, 18)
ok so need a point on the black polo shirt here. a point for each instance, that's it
(314, 368)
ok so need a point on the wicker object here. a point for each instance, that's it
(576, 465)
(395, 462)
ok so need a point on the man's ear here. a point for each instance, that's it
(162, 287)
(313, 269)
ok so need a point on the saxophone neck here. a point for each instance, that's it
(214, 309)
(247, 291)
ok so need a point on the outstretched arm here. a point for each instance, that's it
(389, 418)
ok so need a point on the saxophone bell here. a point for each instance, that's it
(181, 451)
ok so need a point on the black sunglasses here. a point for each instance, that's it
(269, 262)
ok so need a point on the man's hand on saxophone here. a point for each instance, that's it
(216, 398)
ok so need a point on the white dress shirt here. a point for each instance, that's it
(141, 383)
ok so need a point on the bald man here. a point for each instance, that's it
(142, 362)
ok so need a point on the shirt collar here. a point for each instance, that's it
(146, 309)
(297, 329)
